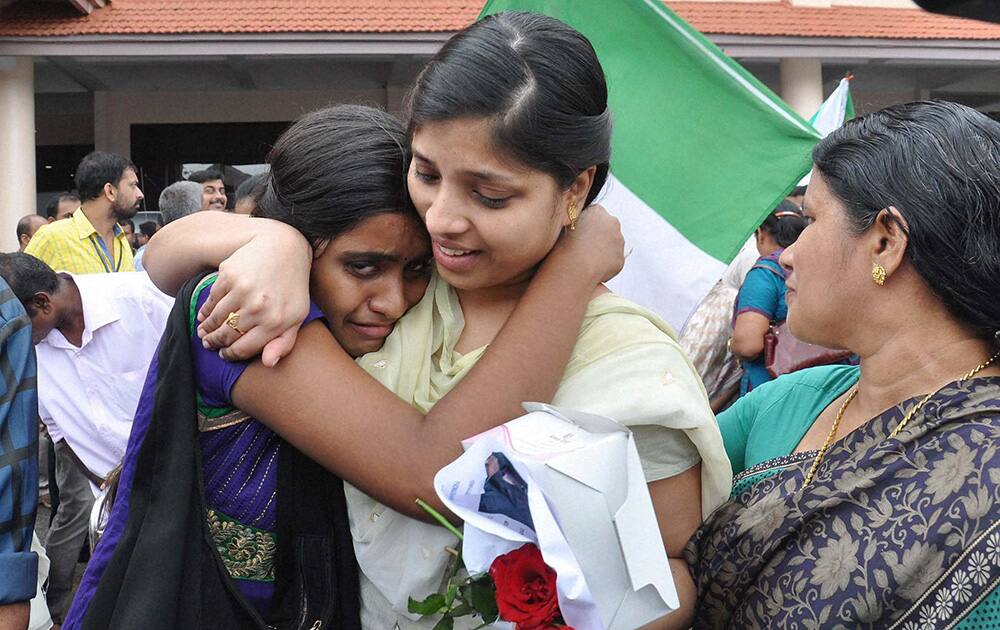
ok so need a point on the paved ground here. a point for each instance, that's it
(42, 529)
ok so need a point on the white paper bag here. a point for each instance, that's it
(577, 480)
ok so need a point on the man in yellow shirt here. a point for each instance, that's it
(91, 241)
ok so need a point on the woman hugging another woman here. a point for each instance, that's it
(510, 136)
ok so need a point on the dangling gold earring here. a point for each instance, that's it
(878, 274)
(573, 214)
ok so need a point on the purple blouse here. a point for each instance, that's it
(239, 464)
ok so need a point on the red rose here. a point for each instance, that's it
(526, 589)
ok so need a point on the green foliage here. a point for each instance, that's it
(432, 604)
(482, 597)
(464, 596)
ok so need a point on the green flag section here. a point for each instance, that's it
(701, 150)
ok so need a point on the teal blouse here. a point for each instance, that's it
(772, 419)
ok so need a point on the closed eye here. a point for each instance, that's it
(427, 178)
(418, 267)
(491, 202)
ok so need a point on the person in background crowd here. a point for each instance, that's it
(867, 496)
(129, 228)
(707, 332)
(18, 446)
(248, 193)
(62, 206)
(91, 241)
(797, 195)
(761, 300)
(177, 200)
(146, 231)
(87, 388)
(212, 187)
(26, 228)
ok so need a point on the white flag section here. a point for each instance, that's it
(572, 484)
(664, 271)
(831, 114)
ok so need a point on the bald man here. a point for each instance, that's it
(27, 227)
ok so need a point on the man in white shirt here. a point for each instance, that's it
(94, 336)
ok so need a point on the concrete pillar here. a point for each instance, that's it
(802, 85)
(17, 146)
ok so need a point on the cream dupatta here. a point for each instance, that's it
(626, 365)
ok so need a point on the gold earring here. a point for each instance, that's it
(878, 274)
(573, 214)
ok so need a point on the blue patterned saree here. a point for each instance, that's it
(892, 532)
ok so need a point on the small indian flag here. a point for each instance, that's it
(701, 149)
(835, 110)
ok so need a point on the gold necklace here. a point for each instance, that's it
(840, 414)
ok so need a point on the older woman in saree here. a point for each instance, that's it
(867, 496)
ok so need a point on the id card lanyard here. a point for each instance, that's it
(106, 258)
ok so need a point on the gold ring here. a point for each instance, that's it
(233, 321)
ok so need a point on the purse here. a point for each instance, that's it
(783, 353)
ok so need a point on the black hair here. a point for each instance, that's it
(936, 163)
(206, 175)
(27, 276)
(148, 228)
(253, 186)
(99, 168)
(53, 207)
(334, 168)
(785, 223)
(538, 81)
(798, 191)
(127, 223)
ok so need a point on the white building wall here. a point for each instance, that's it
(116, 112)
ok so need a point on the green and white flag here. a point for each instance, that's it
(701, 149)
(835, 110)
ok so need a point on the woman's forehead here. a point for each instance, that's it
(465, 145)
(395, 234)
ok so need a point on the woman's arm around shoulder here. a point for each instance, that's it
(271, 310)
(321, 402)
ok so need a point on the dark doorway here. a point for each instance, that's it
(163, 153)
(55, 166)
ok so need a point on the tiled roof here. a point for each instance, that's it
(134, 17)
(782, 19)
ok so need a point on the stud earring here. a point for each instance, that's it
(878, 274)
(572, 212)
